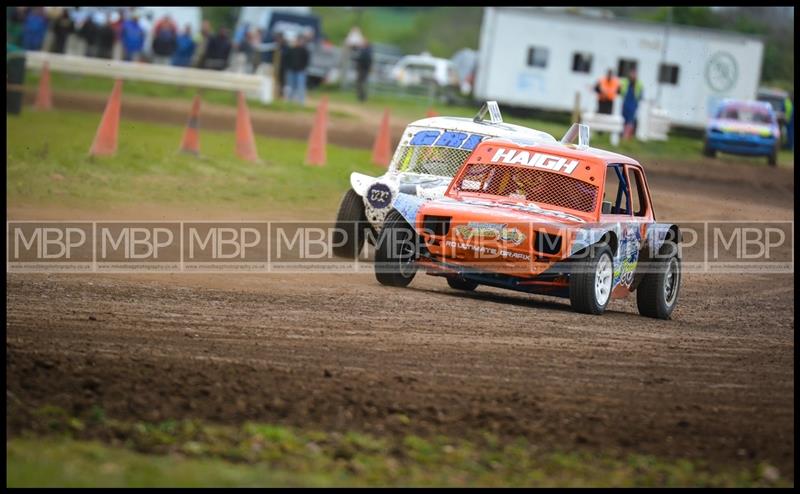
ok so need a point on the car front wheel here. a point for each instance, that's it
(351, 226)
(657, 294)
(397, 252)
(590, 281)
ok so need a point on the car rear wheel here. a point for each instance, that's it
(591, 279)
(657, 294)
(460, 283)
(397, 252)
(772, 159)
(351, 226)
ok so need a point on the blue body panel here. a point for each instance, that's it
(746, 144)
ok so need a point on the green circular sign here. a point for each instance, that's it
(721, 72)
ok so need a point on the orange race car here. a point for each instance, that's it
(551, 218)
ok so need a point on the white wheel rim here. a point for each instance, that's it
(671, 281)
(602, 279)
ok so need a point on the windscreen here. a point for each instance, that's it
(528, 185)
(443, 161)
(744, 114)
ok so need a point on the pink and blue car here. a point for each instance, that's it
(747, 128)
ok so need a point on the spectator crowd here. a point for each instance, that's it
(133, 34)
(126, 34)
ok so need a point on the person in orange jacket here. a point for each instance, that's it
(606, 88)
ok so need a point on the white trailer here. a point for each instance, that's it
(539, 58)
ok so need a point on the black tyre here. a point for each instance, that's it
(591, 279)
(772, 159)
(657, 294)
(351, 222)
(458, 283)
(397, 251)
(708, 150)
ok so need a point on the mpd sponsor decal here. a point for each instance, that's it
(490, 231)
(537, 160)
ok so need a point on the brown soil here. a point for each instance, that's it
(342, 352)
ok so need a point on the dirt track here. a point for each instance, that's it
(342, 352)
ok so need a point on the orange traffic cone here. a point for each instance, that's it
(245, 141)
(432, 112)
(44, 98)
(105, 141)
(191, 137)
(318, 138)
(382, 148)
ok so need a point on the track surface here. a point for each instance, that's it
(342, 352)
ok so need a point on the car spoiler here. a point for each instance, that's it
(581, 131)
(493, 110)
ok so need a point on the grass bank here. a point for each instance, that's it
(92, 451)
(677, 148)
(47, 163)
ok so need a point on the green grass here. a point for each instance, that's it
(192, 453)
(677, 148)
(95, 84)
(47, 163)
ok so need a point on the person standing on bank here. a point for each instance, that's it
(63, 27)
(788, 112)
(297, 59)
(363, 65)
(606, 88)
(631, 90)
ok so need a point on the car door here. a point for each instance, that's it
(618, 213)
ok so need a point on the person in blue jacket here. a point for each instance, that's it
(631, 90)
(34, 29)
(184, 50)
(132, 38)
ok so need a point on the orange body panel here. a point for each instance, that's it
(508, 201)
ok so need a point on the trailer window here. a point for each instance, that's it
(582, 62)
(537, 56)
(625, 66)
(668, 73)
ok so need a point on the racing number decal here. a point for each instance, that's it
(451, 139)
(424, 138)
(379, 196)
(472, 142)
(448, 139)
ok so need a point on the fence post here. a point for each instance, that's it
(576, 110)
(276, 75)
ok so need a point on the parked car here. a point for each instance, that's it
(425, 71)
(551, 218)
(776, 98)
(741, 127)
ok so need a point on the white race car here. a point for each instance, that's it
(428, 155)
